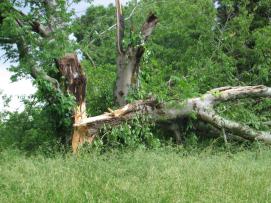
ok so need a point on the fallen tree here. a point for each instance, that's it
(201, 107)
(60, 73)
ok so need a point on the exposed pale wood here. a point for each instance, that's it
(70, 68)
(202, 107)
(128, 60)
(234, 127)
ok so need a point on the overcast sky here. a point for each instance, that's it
(24, 87)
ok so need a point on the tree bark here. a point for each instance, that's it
(202, 107)
(70, 68)
(128, 60)
(127, 72)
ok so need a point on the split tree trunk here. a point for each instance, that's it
(202, 107)
(70, 68)
(128, 60)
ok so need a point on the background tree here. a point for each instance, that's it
(246, 27)
(39, 41)
(191, 51)
(186, 56)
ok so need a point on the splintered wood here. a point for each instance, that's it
(202, 107)
(70, 68)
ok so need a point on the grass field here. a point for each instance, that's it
(162, 175)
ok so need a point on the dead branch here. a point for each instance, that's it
(120, 26)
(149, 26)
(202, 107)
(113, 26)
(128, 60)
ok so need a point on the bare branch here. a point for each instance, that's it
(90, 58)
(210, 116)
(35, 71)
(36, 26)
(114, 26)
(149, 26)
(120, 26)
(85, 52)
(231, 93)
(202, 107)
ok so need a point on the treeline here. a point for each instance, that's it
(196, 46)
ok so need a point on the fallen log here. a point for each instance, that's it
(201, 107)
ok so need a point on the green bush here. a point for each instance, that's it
(31, 131)
(137, 133)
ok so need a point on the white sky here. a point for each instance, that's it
(25, 87)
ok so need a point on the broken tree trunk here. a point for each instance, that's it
(70, 68)
(128, 60)
(202, 107)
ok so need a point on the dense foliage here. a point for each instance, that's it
(197, 45)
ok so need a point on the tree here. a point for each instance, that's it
(128, 59)
(39, 41)
(246, 26)
(202, 108)
(200, 47)
(188, 58)
(96, 40)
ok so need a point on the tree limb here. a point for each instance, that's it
(211, 117)
(202, 107)
(43, 31)
(23, 49)
(35, 71)
(114, 26)
(120, 26)
(128, 62)
(149, 26)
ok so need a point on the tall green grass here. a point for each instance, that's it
(162, 175)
